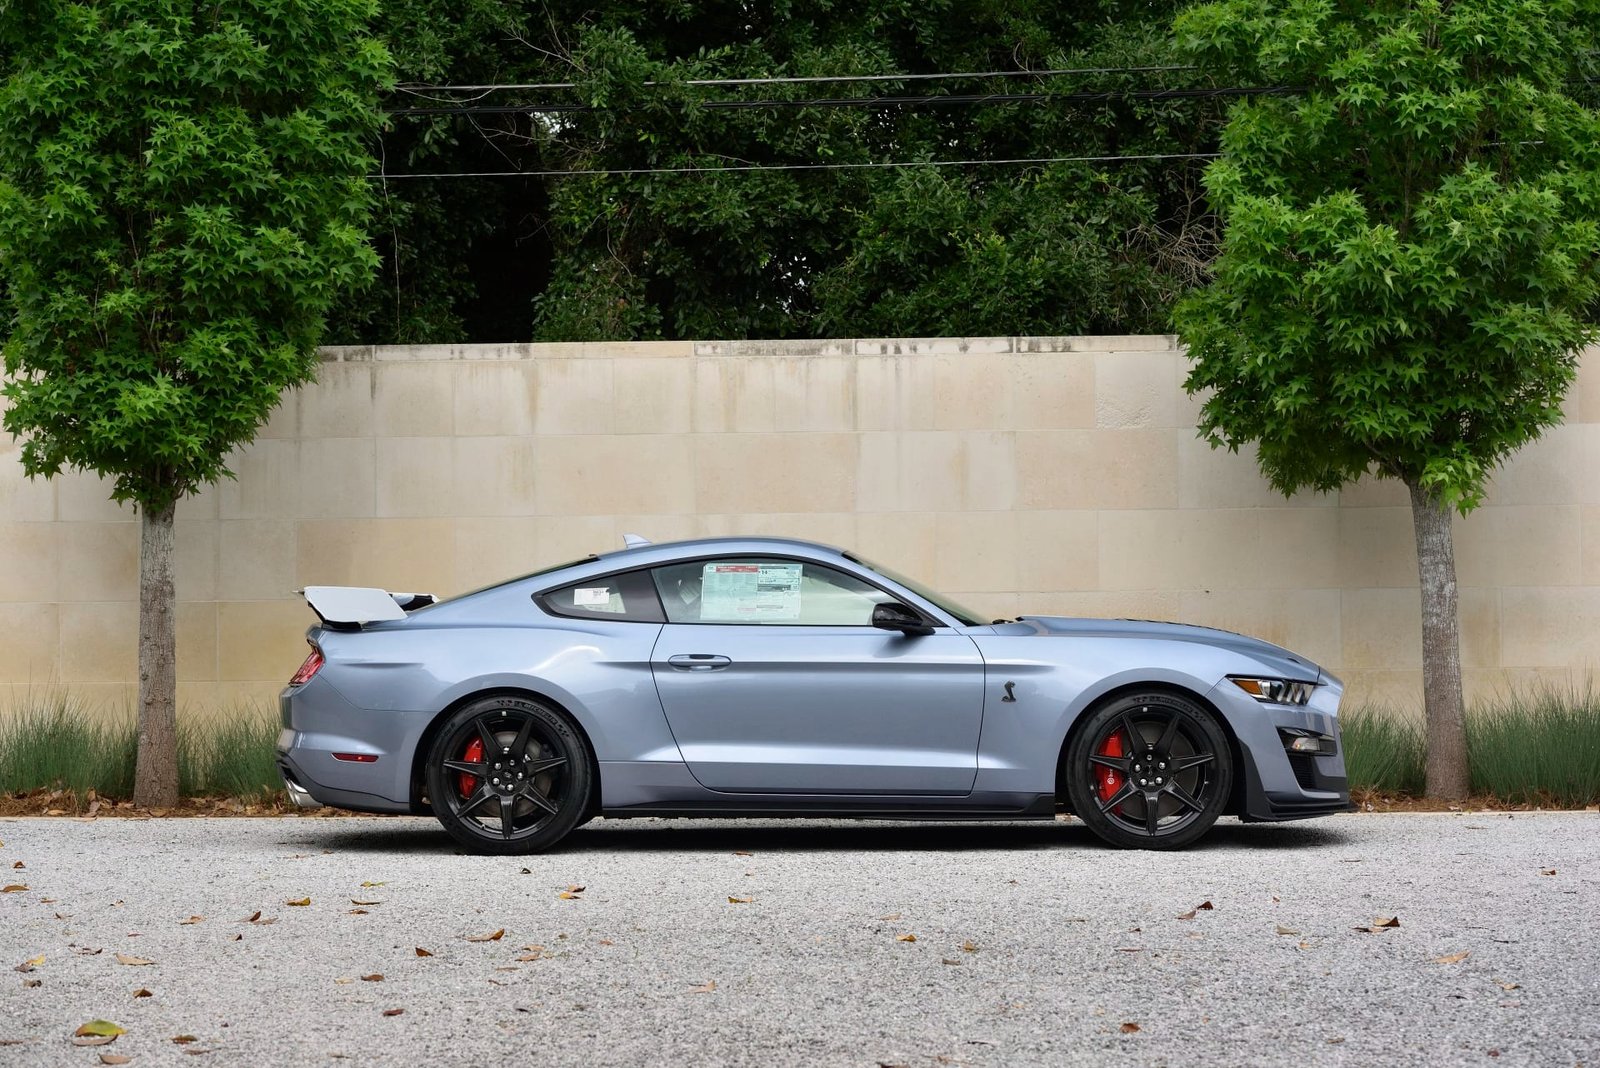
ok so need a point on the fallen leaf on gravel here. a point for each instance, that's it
(143, 993)
(190, 920)
(393, 1012)
(114, 1058)
(576, 889)
(197, 1052)
(85, 951)
(1335, 1040)
(359, 912)
(12, 888)
(344, 981)
(136, 962)
(423, 952)
(905, 938)
(1304, 945)
(492, 936)
(1129, 1028)
(63, 916)
(1510, 986)
(1281, 929)
(30, 964)
(19, 864)
(299, 902)
(1130, 949)
(527, 871)
(709, 986)
(947, 960)
(740, 900)
(375, 977)
(95, 1040)
(369, 886)
(238, 938)
(30, 983)
(607, 942)
(970, 947)
(1542, 871)
(742, 853)
(99, 1029)
(184, 1040)
(1453, 958)
(1205, 906)
(353, 901)
(1382, 923)
(893, 916)
(527, 957)
(1186, 915)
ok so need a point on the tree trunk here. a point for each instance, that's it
(155, 777)
(1448, 776)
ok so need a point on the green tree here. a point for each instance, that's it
(182, 196)
(1410, 261)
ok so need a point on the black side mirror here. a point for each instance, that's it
(892, 615)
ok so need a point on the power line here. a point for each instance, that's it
(1082, 97)
(620, 171)
(808, 79)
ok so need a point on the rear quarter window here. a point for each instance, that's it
(629, 597)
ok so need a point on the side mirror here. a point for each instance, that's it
(892, 615)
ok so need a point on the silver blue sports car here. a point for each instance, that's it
(767, 677)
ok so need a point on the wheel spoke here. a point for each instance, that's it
(479, 796)
(1135, 739)
(519, 748)
(534, 767)
(468, 767)
(1184, 763)
(1184, 797)
(1164, 746)
(508, 813)
(1152, 813)
(1126, 791)
(491, 744)
(540, 800)
(1115, 763)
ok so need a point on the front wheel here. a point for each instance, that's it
(508, 775)
(1149, 771)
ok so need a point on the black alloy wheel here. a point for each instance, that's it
(1149, 771)
(508, 775)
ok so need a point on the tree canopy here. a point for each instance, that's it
(923, 249)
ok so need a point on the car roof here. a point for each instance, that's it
(730, 543)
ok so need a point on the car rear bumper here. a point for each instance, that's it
(330, 752)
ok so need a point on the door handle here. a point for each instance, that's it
(698, 661)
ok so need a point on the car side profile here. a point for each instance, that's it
(734, 677)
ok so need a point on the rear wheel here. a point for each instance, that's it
(1149, 771)
(508, 775)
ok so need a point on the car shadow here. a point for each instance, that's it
(819, 836)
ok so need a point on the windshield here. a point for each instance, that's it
(966, 615)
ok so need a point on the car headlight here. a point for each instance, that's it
(1274, 691)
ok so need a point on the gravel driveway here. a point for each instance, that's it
(1033, 944)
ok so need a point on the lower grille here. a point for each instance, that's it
(1305, 770)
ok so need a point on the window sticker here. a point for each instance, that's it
(750, 593)
(591, 596)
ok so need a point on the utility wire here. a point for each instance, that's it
(807, 80)
(1085, 97)
(802, 166)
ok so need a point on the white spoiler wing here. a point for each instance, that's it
(361, 604)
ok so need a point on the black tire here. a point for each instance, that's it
(528, 799)
(1163, 792)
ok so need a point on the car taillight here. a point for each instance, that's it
(309, 668)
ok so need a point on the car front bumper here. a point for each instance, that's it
(1275, 784)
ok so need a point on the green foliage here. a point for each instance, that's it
(1539, 747)
(1411, 259)
(182, 198)
(981, 250)
(59, 742)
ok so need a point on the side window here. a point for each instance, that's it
(780, 592)
(630, 597)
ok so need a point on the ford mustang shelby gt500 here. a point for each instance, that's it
(769, 677)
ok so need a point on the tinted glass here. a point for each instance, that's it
(765, 591)
(630, 597)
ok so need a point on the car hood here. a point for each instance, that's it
(1279, 659)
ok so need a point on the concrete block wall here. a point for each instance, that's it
(1046, 475)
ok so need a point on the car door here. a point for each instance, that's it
(774, 681)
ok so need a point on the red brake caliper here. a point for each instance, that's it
(1109, 780)
(464, 782)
